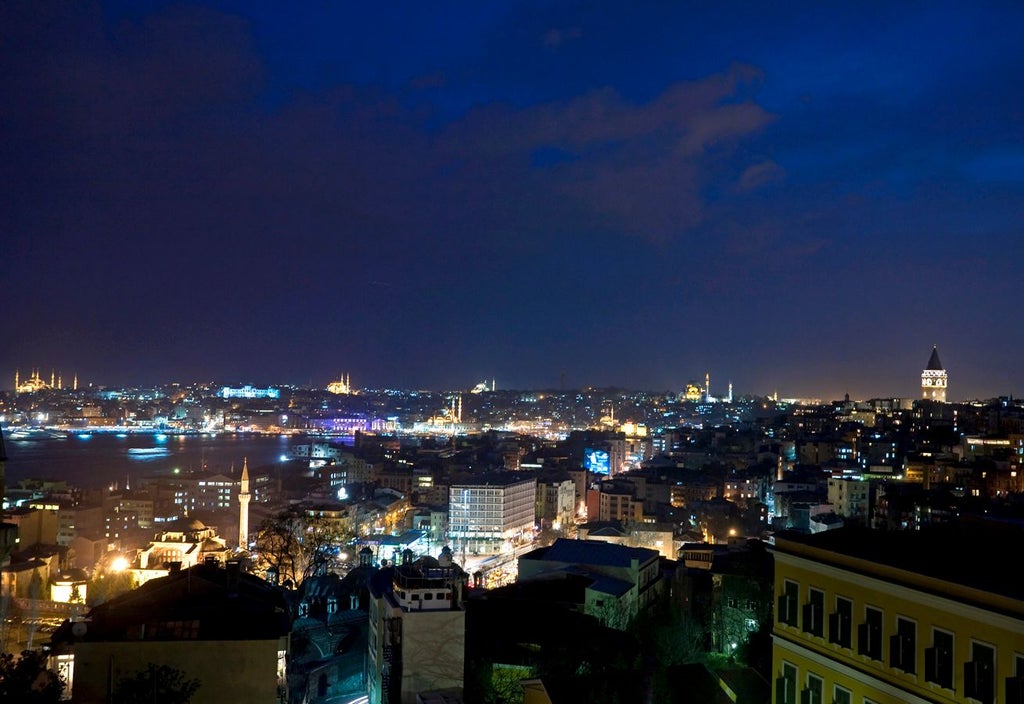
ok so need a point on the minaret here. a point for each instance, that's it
(3, 474)
(17, 383)
(243, 507)
(74, 385)
(934, 379)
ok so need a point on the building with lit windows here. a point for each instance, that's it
(849, 497)
(876, 617)
(248, 391)
(556, 503)
(616, 502)
(492, 512)
(180, 545)
(417, 629)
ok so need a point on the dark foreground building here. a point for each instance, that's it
(227, 629)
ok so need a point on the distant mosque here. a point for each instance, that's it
(934, 379)
(341, 386)
(35, 383)
(696, 394)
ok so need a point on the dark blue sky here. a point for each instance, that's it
(800, 197)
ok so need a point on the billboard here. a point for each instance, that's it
(596, 461)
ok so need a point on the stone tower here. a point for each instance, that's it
(934, 379)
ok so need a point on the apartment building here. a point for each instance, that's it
(875, 617)
(492, 511)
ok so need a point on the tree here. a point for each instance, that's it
(104, 586)
(299, 545)
(156, 683)
(25, 679)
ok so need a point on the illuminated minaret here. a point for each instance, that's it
(729, 399)
(707, 386)
(17, 381)
(934, 379)
(74, 385)
(243, 507)
(3, 474)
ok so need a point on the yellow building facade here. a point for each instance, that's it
(868, 617)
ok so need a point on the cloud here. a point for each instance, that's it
(759, 175)
(636, 168)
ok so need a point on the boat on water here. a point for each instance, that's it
(36, 434)
(148, 451)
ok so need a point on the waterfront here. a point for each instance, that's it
(98, 459)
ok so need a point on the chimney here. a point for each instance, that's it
(234, 569)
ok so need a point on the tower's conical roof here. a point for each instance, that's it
(933, 362)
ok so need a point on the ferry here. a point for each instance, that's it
(148, 451)
(36, 434)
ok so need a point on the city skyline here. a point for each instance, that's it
(796, 199)
(933, 380)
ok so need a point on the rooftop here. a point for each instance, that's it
(973, 555)
(217, 604)
(591, 552)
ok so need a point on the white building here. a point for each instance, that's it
(493, 512)
(417, 629)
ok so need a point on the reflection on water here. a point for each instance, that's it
(102, 458)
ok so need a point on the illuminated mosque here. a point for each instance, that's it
(696, 394)
(343, 386)
(35, 383)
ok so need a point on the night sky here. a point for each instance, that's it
(797, 197)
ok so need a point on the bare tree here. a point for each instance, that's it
(155, 683)
(299, 545)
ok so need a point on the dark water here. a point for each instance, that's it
(105, 458)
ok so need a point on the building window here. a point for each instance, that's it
(1015, 684)
(938, 659)
(841, 696)
(788, 603)
(840, 623)
(903, 646)
(815, 691)
(785, 685)
(66, 671)
(979, 674)
(814, 613)
(869, 634)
